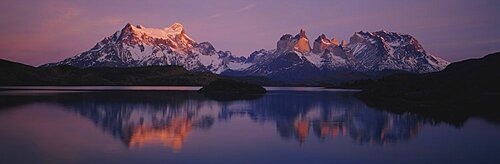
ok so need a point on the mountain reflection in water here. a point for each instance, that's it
(167, 118)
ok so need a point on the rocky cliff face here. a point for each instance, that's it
(322, 43)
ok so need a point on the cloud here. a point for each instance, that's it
(239, 10)
(216, 15)
(59, 15)
(247, 7)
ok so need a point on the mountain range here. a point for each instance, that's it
(294, 59)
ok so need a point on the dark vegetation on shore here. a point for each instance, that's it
(466, 81)
(16, 74)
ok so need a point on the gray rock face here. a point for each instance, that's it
(286, 43)
(320, 44)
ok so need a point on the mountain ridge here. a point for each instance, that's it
(136, 45)
(294, 59)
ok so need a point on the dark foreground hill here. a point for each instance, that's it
(466, 87)
(15, 74)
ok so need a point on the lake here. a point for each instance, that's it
(178, 125)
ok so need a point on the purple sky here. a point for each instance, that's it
(40, 31)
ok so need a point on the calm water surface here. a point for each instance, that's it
(177, 125)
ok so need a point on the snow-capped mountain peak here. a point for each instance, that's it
(382, 50)
(176, 27)
(136, 45)
(165, 33)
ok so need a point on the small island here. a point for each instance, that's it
(231, 87)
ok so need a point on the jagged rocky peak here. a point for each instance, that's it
(205, 48)
(177, 27)
(320, 44)
(206, 45)
(127, 29)
(301, 34)
(360, 37)
(380, 36)
(260, 56)
(335, 41)
(302, 43)
(344, 43)
(286, 37)
(299, 43)
(174, 36)
(322, 38)
(285, 43)
(175, 30)
(383, 40)
(382, 50)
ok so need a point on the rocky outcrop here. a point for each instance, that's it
(320, 44)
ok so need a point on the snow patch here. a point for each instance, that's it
(314, 59)
(238, 66)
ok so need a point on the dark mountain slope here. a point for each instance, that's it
(465, 88)
(474, 77)
(17, 73)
